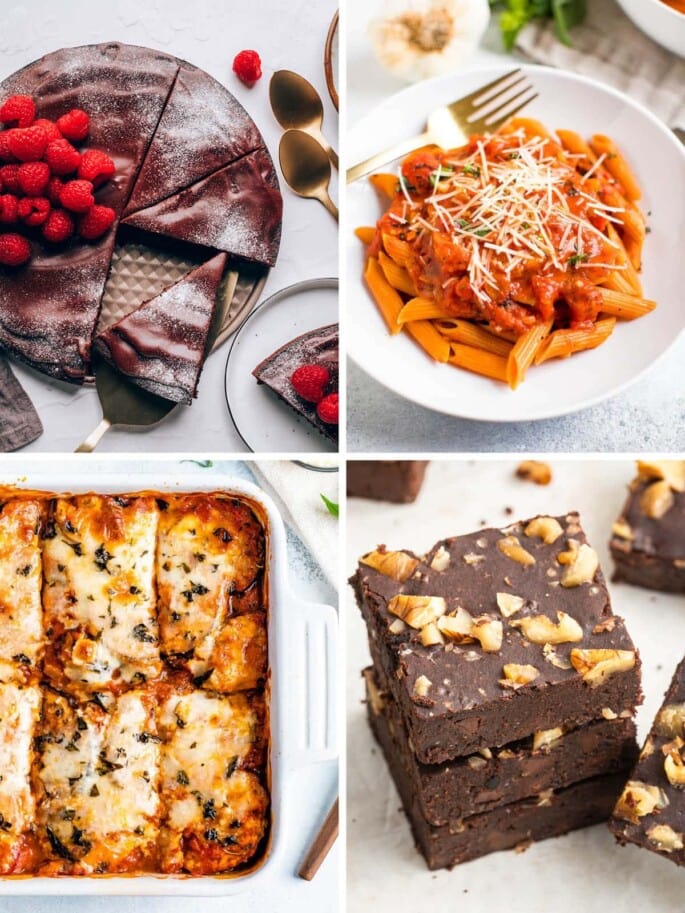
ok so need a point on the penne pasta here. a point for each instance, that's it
(366, 234)
(396, 275)
(385, 184)
(422, 309)
(523, 353)
(490, 263)
(563, 343)
(429, 339)
(479, 362)
(386, 297)
(471, 334)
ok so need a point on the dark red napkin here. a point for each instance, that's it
(19, 422)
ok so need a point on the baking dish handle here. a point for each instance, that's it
(312, 682)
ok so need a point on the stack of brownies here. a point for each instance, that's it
(503, 688)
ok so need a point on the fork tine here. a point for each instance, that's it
(496, 102)
(482, 91)
(503, 118)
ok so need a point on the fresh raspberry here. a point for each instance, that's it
(10, 178)
(327, 409)
(96, 167)
(62, 157)
(28, 145)
(14, 250)
(33, 210)
(33, 178)
(8, 209)
(54, 191)
(77, 196)
(96, 222)
(58, 227)
(19, 109)
(5, 154)
(74, 125)
(247, 66)
(51, 128)
(309, 382)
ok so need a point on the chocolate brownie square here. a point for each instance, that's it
(651, 809)
(495, 635)
(648, 539)
(398, 481)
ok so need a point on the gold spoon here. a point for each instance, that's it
(297, 106)
(306, 168)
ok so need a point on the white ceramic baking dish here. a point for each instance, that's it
(302, 664)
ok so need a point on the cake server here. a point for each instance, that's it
(306, 168)
(297, 106)
(125, 404)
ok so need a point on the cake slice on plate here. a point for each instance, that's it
(313, 356)
(162, 345)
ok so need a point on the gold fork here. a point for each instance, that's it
(483, 111)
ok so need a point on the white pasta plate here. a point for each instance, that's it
(556, 387)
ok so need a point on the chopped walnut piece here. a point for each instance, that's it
(475, 762)
(534, 471)
(509, 604)
(674, 763)
(430, 635)
(546, 737)
(417, 611)
(489, 632)
(608, 624)
(553, 658)
(512, 548)
(539, 629)
(609, 714)
(623, 530)
(597, 665)
(376, 697)
(647, 748)
(670, 721)
(457, 626)
(657, 499)
(441, 559)
(639, 799)
(665, 838)
(515, 675)
(397, 627)
(545, 798)
(581, 564)
(671, 471)
(473, 558)
(397, 565)
(546, 528)
(422, 686)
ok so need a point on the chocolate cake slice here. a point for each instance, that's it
(162, 345)
(203, 129)
(237, 209)
(319, 347)
(49, 308)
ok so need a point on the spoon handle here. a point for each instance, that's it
(330, 151)
(329, 204)
(93, 439)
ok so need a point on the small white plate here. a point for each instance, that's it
(554, 388)
(263, 421)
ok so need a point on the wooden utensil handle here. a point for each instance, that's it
(321, 846)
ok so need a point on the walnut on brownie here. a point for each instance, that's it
(648, 538)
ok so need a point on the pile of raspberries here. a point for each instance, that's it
(310, 383)
(46, 183)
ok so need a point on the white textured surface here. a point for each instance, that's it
(582, 871)
(208, 33)
(649, 416)
(312, 788)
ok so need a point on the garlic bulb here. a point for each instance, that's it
(417, 39)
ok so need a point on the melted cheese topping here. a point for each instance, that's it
(99, 585)
(209, 548)
(21, 616)
(238, 657)
(19, 711)
(100, 771)
(208, 740)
